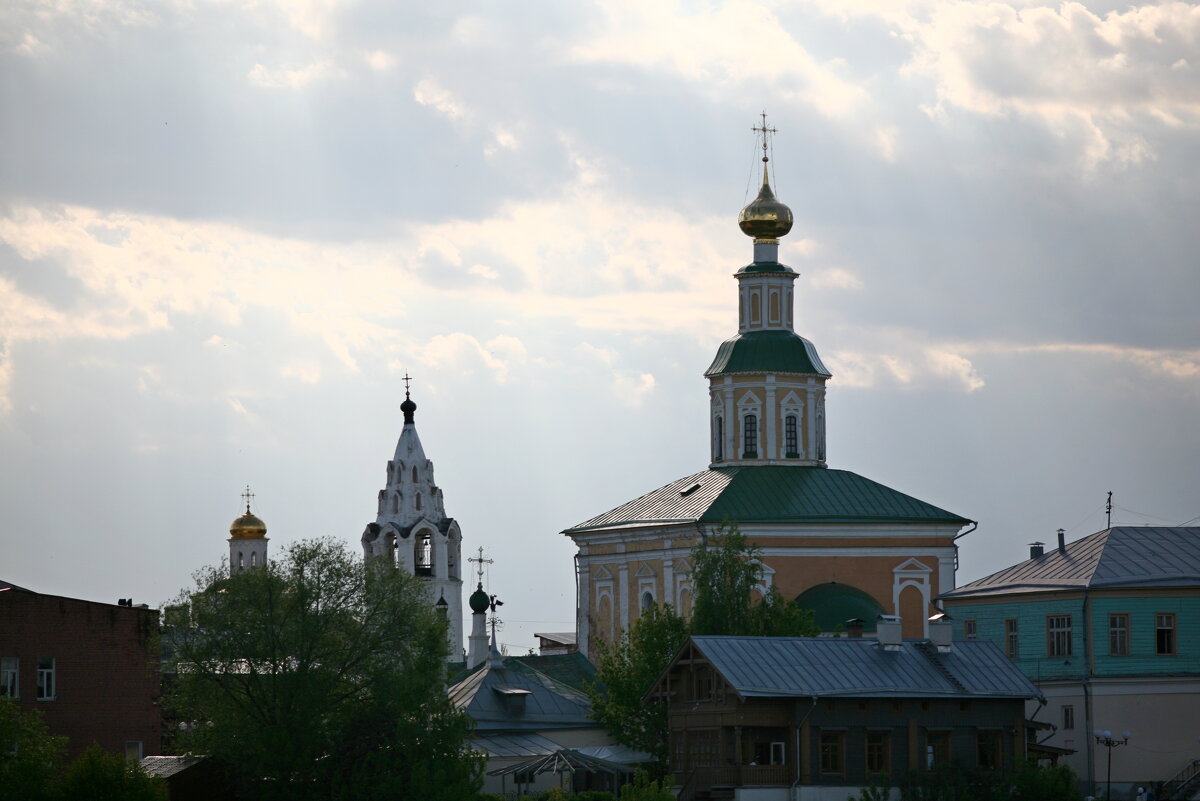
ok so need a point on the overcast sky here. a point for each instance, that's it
(227, 229)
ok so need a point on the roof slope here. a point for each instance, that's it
(1122, 556)
(772, 494)
(767, 352)
(520, 698)
(856, 667)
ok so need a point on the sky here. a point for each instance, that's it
(228, 229)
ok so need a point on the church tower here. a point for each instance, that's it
(766, 384)
(247, 540)
(411, 530)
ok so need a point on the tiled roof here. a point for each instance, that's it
(862, 668)
(1122, 556)
(772, 494)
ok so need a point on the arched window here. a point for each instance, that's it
(423, 553)
(396, 503)
(253, 559)
(774, 307)
(750, 436)
(414, 474)
(241, 560)
(755, 308)
(418, 501)
(791, 437)
(718, 439)
(647, 601)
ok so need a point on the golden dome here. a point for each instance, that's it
(765, 217)
(247, 527)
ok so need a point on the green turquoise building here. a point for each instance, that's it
(1108, 627)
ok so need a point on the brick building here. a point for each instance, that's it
(89, 668)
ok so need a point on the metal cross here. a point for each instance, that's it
(247, 496)
(766, 131)
(481, 562)
(407, 378)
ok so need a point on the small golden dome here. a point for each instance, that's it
(247, 527)
(765, 217)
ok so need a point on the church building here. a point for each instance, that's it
(412, 532)
(841, 544)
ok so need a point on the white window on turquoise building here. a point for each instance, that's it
(1164, 633)
(970, 629)
(1011, 641)
(1058, 635)
(1118, 634)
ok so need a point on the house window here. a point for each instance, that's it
(10, 671)
(750, 436)
(1118, 634)
(987, 748)
(879, 752)
(704, 686)
(833, 752)
(1011, 641)
(937, 749)
(647, 601)
(778, 753)
(1068, 717)
(970, 629)
(1058, 635)
(719, 440)
(133, 751)
(791, 437)
(1164, 633)
(45, 678)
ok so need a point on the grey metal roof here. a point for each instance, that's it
(1122, 556)
(165, 767)
(774, 494)
(488, 696)
(862, 668)
(514, 744)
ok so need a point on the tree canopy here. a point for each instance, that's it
(726, 576)
(320, 677)
(29, 754)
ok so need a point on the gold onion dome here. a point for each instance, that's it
(247, 527)
(765, 217)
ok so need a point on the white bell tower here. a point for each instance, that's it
(247, 540)
(412, 532)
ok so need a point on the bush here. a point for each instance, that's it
(99, 775)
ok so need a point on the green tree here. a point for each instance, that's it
(643, 789)
(29, 754)
(99, 775)
(320, 677)
(626, 669)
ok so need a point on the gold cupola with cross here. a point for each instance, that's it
(767, 383)
(247, 539)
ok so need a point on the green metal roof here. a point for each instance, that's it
(766, 267)
(772, 494)
(833, 603)
(767, 352)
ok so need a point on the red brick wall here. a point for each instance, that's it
(106, 669)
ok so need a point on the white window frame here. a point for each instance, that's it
(47, 684)
(10, 676)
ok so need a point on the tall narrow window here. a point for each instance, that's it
(1058, 635)
(879, 753)
(750, 436)
(1164, 633)
(417, 500)
(1068, 717)
(414, 474)
(10, 675)
(1012, 647)
(1118, 634)
(647, 601)
(791, 437)
(937, 749)
(719, 439)
(423, 551)
(254, 559)
(970, 629)
(755, 308)
(833, 752)
(45, 678)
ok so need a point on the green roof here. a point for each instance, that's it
(772, 494)
(834, 603)
(767, 352)
(766, 267)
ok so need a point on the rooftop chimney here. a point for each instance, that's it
(888, 632)
(941, 632)
(1036, 549)
(1062, 541)
(854, 628)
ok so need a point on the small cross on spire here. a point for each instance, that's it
(247, 496)
(481, 562)
(407, 378)
(766, 131)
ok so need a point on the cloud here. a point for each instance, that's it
(305, 371)
(465, 354)
(290, 78)
(629, 388)
(428, 92)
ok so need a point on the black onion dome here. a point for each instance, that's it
(408, 407)
(478, 600)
